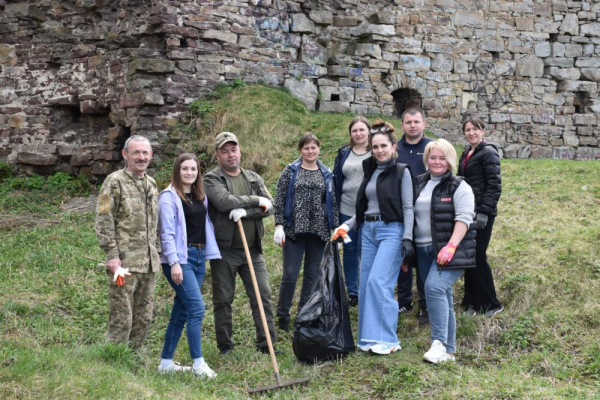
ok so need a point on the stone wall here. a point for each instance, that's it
(78, 77)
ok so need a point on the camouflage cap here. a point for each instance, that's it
(223, 138)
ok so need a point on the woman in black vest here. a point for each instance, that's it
(480, 165)
(384, 208)
(444, 210)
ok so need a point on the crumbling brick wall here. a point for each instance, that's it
(78, 77)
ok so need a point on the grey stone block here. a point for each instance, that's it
(588, 62)
(312, 52)
(558, 62)
(590, 29)
(365, 49)
(530, 66)
(562, 74)
(366, 29)
(415, 63)
(304, 90)
(334, 106)
(343, 94)
(543, 49)
(220, 36)
(570, 24)
(321, 17)
(591, 74)
(470, 19)
(442, 63)
(584, 119)
(301, 23)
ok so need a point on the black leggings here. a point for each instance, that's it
(480, 292)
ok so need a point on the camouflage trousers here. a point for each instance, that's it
(130, 308)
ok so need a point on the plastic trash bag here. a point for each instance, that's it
(322, 329)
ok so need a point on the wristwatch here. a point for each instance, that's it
(173, 263)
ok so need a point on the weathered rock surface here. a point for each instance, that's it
(304, 90)
(80, 77)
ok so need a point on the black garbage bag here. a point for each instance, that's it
(322, 329)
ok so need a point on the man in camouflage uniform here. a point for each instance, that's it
(235, 193)
(126, 226)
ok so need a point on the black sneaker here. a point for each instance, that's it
(405, 309)
(284, 324)
(225, 350)
(352, 300)
(423, 317)
(265, 350)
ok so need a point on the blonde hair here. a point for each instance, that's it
(447, 150)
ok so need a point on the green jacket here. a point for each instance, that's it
(127, 219)
(218, 187)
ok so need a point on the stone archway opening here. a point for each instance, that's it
(581, 101)
(404, 99)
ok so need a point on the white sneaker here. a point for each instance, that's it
(448, 357)
(365, 347)
(436, 353)
(384, 348)
(173, 367)
(204, 371)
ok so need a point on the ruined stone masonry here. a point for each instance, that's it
(77, 77)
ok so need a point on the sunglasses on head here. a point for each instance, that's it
(381, 128)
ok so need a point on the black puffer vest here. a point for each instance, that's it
(389, 191)
(442, 220)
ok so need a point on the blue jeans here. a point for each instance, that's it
(440, 300)
(188, 306)
(351, 259)
(380, 264)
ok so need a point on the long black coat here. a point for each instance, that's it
(482, 172)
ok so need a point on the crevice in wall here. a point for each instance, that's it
(404, 99)
(581, 102)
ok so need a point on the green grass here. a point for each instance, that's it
(53, 306)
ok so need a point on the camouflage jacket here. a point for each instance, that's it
(218, 187)
(126, 221)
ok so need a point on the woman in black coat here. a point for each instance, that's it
(480, 165)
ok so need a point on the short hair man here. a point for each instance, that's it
(411, 147)
(126, 226)
(234, 193)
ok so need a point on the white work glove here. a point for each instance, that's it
(236, 214)
(265, 203)
(120, 275)
(279, 236)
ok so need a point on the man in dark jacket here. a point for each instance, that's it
(233, 194)
(411, 147)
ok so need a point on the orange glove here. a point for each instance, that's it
(120, 275)
(340, 231)
(446, 253)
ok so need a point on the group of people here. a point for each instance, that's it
(396, 203)
(141, 231)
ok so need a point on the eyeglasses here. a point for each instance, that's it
(381, 129)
